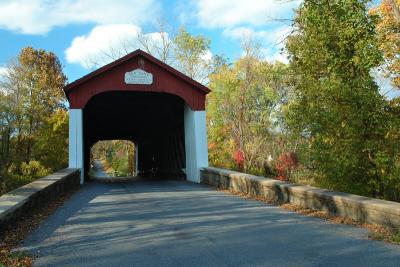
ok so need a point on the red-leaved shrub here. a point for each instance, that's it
(285, 164)
(238, 157)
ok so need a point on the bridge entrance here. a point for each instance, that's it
(113, 158)
(141, 99)
(153, 121)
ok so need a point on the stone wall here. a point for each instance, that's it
(362, 209)
(16, 203)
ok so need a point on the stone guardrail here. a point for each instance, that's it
(18, 202)
(359, 208)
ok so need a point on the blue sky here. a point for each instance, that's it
(78, 30)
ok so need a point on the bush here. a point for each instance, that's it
(285, 165)
(23, 173)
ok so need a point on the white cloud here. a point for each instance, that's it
(272, 42)
(273, 55)
(231, 13)
(3, 72)
(273, 36)
(102, 45)
(240, 33)
(207, 56)
(40, 16)
(250, 19)
(106, 43)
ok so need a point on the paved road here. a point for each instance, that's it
(99, 170)
(174, 223)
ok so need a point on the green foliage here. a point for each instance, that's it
(324, 106)
(349, 134)
(119, 155)
(120, 166)
(22, 173)
(396, 238)
(5, 129)
(242, 113)
(33, 118)
(190, 52)
(51, 146)
(388, 29)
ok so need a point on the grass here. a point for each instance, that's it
(387, 235)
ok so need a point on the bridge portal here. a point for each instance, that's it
(141, 99)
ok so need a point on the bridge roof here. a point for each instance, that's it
(111, 78)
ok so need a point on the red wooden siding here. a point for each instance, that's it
(111, 78)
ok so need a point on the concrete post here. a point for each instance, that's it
(76, 140)
(195, 143)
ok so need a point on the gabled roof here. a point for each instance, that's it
(69, 87)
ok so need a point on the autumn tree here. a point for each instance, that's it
(192, 55)
(51, 145)
(182, 50)
(388, 28)
(34, 83)
(349, 137)
(6, 129)
(33, 116)
(119, 155)
(242, 112)
(159, 44)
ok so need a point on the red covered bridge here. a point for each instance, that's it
(140, 98)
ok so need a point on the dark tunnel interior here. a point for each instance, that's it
(153, 121)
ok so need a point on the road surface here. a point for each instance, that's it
(99, 170)
(173, 223)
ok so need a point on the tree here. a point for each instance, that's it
(51, 145)
(191, 54)
(159, 44)
(348, 137)
(34, 84)
(388, 29)
(242, 112)
(119, 155)
(188, 53)
(33, 120)
(6, 129)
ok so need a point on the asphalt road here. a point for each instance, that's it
(175, 223)
(99, 170)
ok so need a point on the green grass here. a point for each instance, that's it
(395, 238)
(18, 255)
(392, 236)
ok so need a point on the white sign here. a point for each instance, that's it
(138, 76)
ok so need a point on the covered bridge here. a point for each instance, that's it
(141, 99)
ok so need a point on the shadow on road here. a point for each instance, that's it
(172, 223)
